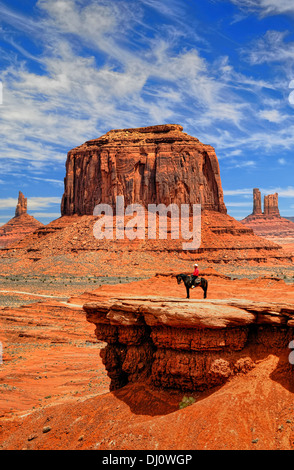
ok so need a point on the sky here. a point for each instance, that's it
(71, 70)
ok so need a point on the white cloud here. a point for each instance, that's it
(282, 161)
(8, 203)
(235, 153)
(238, 204)
(272, 115)
(283, 192)
(248, 163)
(50, 215)
(287, 192)
(94, 22)
(76, 97)
(270, 48)
(237, 192)
(266, 7)
(241, 164)
(129, 76)
(42, 202)
(33, 202)
(48, 180)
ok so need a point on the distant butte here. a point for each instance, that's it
(268, 223)
(147, 165)
(21, 225)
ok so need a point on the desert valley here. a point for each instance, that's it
(102, 350)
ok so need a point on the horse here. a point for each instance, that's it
(187, 280)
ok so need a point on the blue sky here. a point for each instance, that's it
(74, 69)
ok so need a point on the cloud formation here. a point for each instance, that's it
(33, 202)
(266, 7)
(98, 66)
(74, 69)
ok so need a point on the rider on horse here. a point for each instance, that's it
(195, 275)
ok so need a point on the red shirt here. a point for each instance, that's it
(196, 272)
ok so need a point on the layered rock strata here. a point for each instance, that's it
(21, 225)
(223, 240)
(149, 165)
(22, 205)
(271, 205)
(257, 210)
(160, 165)
(268, 223)
(191, 345)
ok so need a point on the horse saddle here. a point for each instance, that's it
(195, 282)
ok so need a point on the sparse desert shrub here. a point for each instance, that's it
(186, 401)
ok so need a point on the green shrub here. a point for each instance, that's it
(186, 401)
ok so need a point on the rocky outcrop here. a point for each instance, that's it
(160, 165)
(21, 225)
(257, 202)
(148, 165)
(190, 345)
(223, 240)
(21, 207)
(268, 223)
(271, 205)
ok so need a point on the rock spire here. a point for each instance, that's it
(21, 207)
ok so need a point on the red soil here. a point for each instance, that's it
(52, 363)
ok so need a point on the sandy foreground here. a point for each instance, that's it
(52, 375)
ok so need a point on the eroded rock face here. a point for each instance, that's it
(21, 207)
(190, 345)
(21, 225)
(149, 165)
(271, 205)
(257, 202)
(268, 223)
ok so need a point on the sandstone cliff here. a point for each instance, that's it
(271, 205)
(21, 225)
(192, 345)
(268, 223)
(157, 164)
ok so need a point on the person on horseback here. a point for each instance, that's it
(195, 275)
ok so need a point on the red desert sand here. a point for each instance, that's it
(55, 391)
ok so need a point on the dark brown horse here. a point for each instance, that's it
(187, 280)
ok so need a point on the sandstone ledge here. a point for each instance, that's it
(192, 345)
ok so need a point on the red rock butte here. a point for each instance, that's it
(268, 223)
(149, 165)
(156, 164)
(21, 225)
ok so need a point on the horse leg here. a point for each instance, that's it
(205, 291)
(188, 292)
